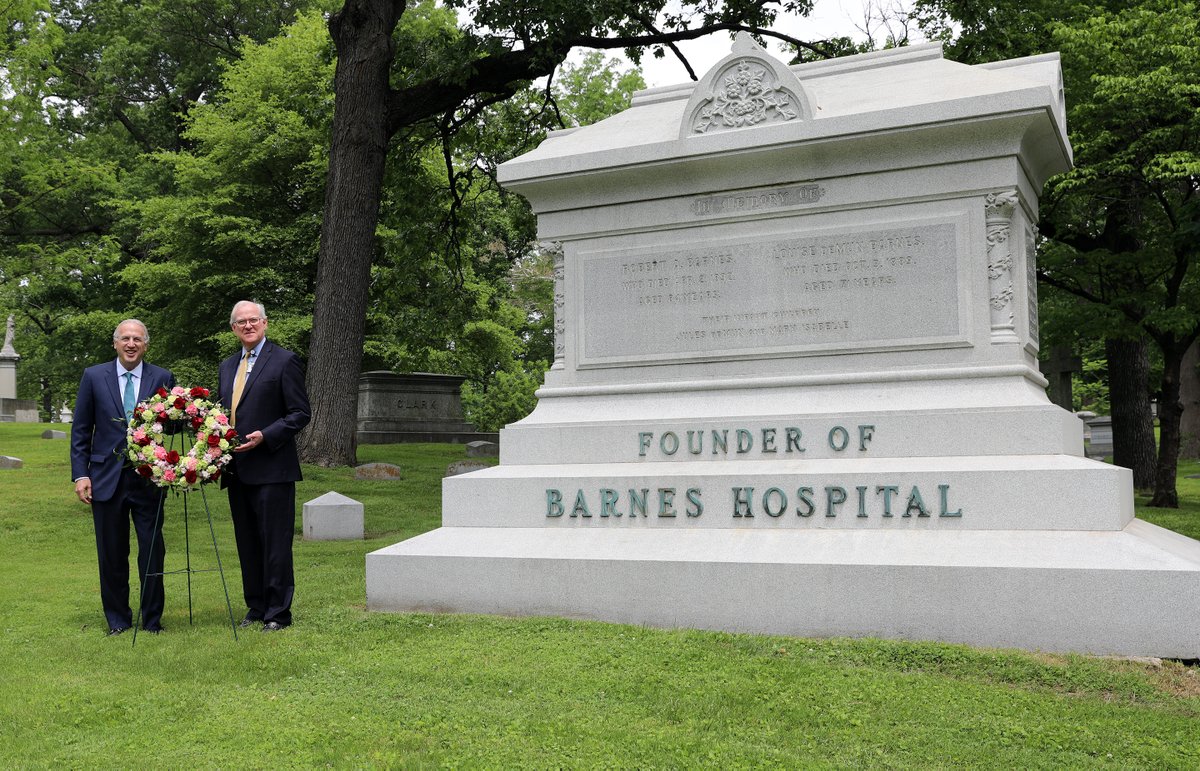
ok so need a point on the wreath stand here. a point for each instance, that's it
(188, 569)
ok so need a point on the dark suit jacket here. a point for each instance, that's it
(273, 401)
(98, 431)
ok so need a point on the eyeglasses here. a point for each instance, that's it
(253, 321)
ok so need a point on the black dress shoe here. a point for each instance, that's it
(247, 621)
(155, 630)
(273, 626)
(116, 630)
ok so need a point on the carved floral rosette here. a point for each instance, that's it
(746, 88)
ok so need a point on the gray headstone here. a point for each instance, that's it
(1101, 443)
(332, 517)
(377, 472)
(7, 461)
(416, 407)
(482, 449)
(50, 433)
(464, 467)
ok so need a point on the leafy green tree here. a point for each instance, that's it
(1124, 223)
(1120, 228)
(92, 92)
(395, 86)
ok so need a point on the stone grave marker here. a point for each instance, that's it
(332, 517)
(795, 387)
(1100, 430)
(12, 409)
(51, 433)
(465, 467)
(481, 449)
(416, 407)
(378, 472)
(7, 462)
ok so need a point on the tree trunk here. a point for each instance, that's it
(362, 35)
(1132, 420)
(1189, 394)
(1170, 410)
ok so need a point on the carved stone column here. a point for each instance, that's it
(1000, 208)
(1031, 284)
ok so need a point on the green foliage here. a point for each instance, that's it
(508, 399)
(344, 687)
(594, 89)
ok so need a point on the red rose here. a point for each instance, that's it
(213, 440)
(190, 476)
(180, 403)
(198, 392)
(145, 440)
(231, 434)
(215, 475)
(161, 417)
(197, 422)
(172, 457)
(162, 392)
(144, 471)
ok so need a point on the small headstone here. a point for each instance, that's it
(377, 472)
(50, 433)
(7, 461)
(464, 467)
(64, 414)
(332, 517)
(482, 449)
(1101, 442)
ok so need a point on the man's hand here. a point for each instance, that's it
(83, 489)
(252, 440)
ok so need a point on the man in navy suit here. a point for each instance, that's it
(262, 388)
(107, 395)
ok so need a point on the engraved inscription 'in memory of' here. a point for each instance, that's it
(803, 293)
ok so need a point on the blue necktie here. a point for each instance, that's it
(130, 396)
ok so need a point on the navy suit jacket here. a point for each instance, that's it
(273, 401)
(98, 431)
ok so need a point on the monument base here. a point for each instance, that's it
(19, 411)
(1126, 592)
(409, 437)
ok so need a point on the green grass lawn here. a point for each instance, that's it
(346, 688)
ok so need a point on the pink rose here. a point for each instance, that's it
(139, 435)
(191, 409)
(222, 420)
(214, 452)
(169, 475)
(159, 407)
(160, 452)
(179, 391)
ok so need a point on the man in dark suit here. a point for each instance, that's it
(262, 387)
(107, 395)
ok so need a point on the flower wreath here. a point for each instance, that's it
(214, 438)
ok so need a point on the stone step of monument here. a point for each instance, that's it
(1035, 492)
(1046, 430)
(1039, 590)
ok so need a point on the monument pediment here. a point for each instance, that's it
(891, 93)
(745, 89)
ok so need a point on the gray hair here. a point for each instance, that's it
(262, 312)
(145, 331)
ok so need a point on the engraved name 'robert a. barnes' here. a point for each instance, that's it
(767, 199)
